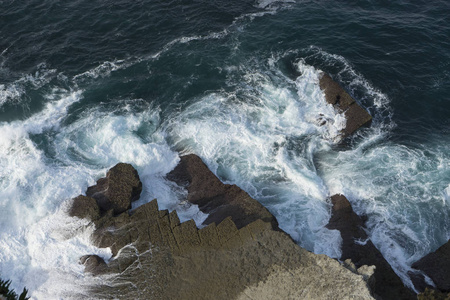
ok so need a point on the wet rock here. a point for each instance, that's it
(94, 264)
(418, 280)
(84, 208)
(215, 198)
(155, 256)
(357, 247)
(436, 265)
(112, 232)
(181, 261)
(117, 190)
(335, 95)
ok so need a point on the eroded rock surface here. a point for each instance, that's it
(166, 259)
(85, 207)
(357, 247)
(437, 266)
(215, 198)
(356, 116)
(117, 190)
(157, 257)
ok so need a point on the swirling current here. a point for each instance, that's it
(86, 84)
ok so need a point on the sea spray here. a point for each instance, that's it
(84, 86)
(263, 138)
(41, 247)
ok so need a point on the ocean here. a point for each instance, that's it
(87, 84)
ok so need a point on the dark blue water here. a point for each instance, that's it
(86, 84)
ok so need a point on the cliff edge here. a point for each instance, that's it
(240, 254)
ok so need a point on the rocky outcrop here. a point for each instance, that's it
(85, 207)
(335, 95)
(157, 257)
(357, 246)
(94, 264)
(215, 198)
(117, 190)
(436, 265)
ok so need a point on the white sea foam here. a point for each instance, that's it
(103, 70)
(447, 195)
(14, 92)
(40, 247)
(266, 136)
(269, 4)
(263, 139)
(104, 138)
(187, 39)
(400, 189)
(10, 92)
(370, 97)
(237, 24)
(31, 190)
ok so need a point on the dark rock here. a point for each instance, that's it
(334, 93)
(94, 264)
(215, 198)
(118, 189)
(430, 294)
(437, 266)
(418, 280)
(85, 208)
(110, 232)
(157, 257)
(344, 219)
(357, 247)
(356, 116)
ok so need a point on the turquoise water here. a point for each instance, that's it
(86, 84)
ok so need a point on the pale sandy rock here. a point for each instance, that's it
(327, 280)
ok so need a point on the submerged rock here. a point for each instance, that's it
(117, 190)
(357, 246)
(335, 95)
(157, 257)
(436, 265)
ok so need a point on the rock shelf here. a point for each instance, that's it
(232, 257)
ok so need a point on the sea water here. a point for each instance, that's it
(85, 85)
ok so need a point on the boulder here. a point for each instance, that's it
(335, 95)
(117, 190)
(357, 247)
(155, 256)
(85, 207)
(94, 264)
(215, 198)
(436, 265)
